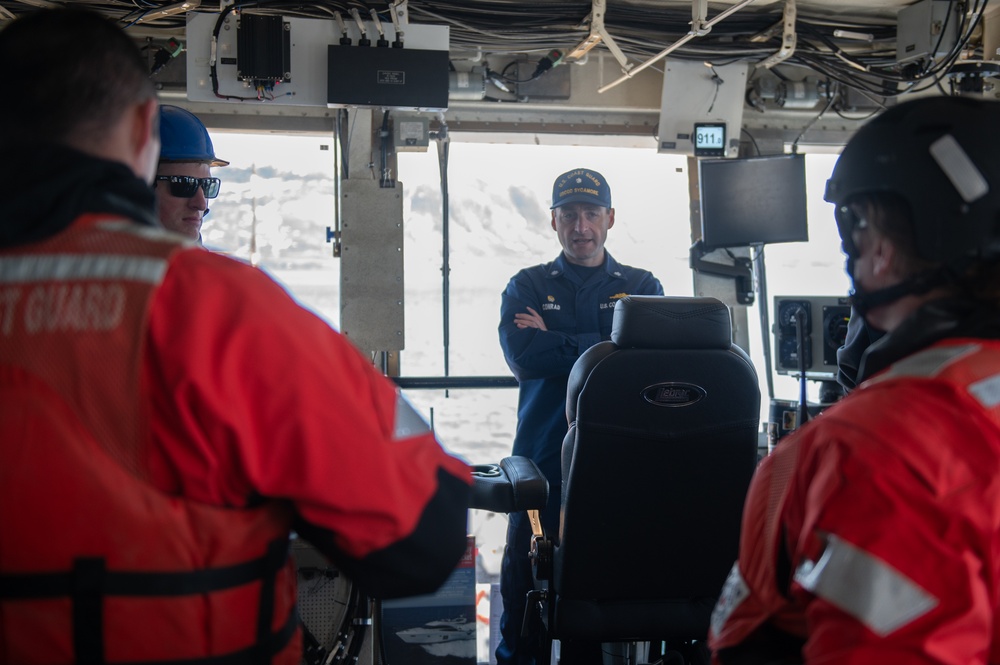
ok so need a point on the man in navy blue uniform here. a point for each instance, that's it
(550, 315)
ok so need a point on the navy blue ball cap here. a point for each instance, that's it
(581, 186)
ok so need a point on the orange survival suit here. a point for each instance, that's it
(166, 415)
(871, 535)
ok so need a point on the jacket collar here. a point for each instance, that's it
(561, 267)
(48, 186)
(935, 321)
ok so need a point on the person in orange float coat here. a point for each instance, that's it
(168, 415)
(872, 534)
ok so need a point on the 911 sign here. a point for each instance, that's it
(709, 139)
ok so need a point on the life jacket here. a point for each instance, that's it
(930, 422)
(96, 564)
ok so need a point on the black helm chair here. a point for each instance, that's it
(661, 446)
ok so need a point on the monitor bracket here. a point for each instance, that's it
(741, 271)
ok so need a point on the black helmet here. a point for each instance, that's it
(942, 156)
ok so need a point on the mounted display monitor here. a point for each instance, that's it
(753, 201)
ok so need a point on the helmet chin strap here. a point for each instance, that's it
(864, 300)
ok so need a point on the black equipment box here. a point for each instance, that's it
(395, 78)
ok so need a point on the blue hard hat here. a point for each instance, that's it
(183, 138)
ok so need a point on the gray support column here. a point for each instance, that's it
(371, 271)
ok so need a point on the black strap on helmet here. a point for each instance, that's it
(863, 300)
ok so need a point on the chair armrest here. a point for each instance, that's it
(513, 485)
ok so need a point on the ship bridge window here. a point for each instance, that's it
(277, 201)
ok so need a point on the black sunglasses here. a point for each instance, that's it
(184, 186)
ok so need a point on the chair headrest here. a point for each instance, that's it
(671, 322)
